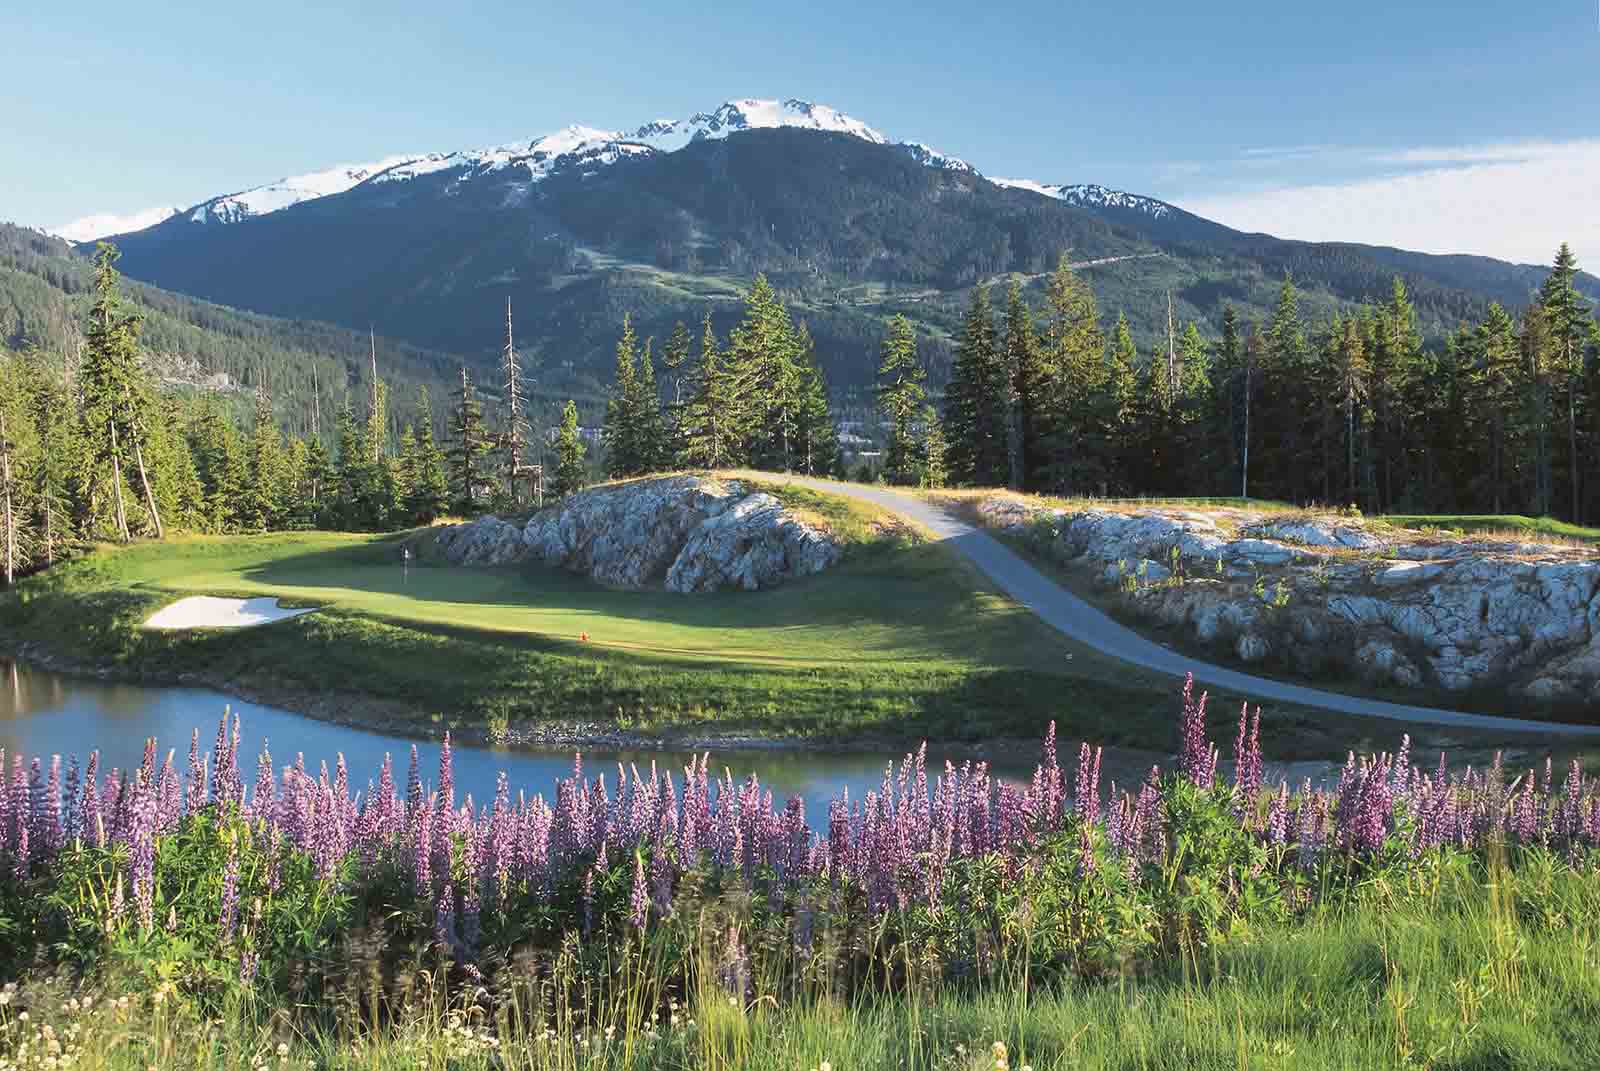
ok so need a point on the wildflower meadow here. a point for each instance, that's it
(672, 918)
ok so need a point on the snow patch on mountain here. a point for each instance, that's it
(1091, 195)
(88, 228)
(275, 196)
(928, 156)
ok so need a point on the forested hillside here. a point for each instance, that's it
(849, 232)
(46, 290)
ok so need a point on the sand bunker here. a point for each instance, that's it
(208, 611)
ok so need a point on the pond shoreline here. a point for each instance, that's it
(355, 710)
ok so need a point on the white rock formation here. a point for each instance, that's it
(681, 533)
(1323, 591)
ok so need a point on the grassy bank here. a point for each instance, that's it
(902, 640)
(1454, 982)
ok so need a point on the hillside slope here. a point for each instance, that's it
(578, 230)
(190, 343)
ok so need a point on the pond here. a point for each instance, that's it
(44, 713)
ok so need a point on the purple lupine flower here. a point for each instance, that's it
(447, 781)
(230, 893)
(1247, 761)
(1196, 762)
(196, 797)
(72, 816)
(639, 901)
(1527, 813)
(249, 964)
(91, 824)
(142, 849)
(1278, 817)
(169, 797)
(263, 801)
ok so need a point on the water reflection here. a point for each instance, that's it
(44, 713)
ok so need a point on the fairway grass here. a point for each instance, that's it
(903, 640)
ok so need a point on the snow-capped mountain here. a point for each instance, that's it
(1091, 196)
(573, 146)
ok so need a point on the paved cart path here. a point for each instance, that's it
(1068, 613)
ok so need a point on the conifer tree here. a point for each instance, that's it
(428, 495)
(262, 507)
(115, 401)
(621, 433)
(711, 423)
(1569, 325)
(645, 411)
(514, 440)
(1024, 368)
(933, 473)
(1118, 412)
(319, 479)
(571, 473)
(900, 398)
(816, 439)
(765, 379)
(975, 415)
(16, 459)
(1071, 457)
(470, 481)
(59, 451)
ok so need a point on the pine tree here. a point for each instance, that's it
(975, 417)
(59, 452)
(571, 473)
(649, 423)
(621, 434)
(1569, 324)
(1024, 368)
(900, 398)
(1498, 387)
(263, 498)
(1117, 413)
(470, 483)
(762, 358)
(428, 495)
(1073, 457)
(319, 479)
(16, 459)
(675, 358)
(816, 439)
(933, 473)
(514, 440)
(1194, 434)
(115, 401)
(711, 423)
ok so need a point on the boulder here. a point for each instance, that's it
(677, 533)
(1405, 607)
(752, 544)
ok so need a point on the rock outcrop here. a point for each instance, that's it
(680, 533)
(1322, 592)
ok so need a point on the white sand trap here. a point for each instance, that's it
(208, 611)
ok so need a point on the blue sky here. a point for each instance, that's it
(1407, 124)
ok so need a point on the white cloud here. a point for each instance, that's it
(1516, 200)
(89, 228)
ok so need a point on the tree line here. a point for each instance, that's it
(757, 398)
(1502, 417)
(91, 450)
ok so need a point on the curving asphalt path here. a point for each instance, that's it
(1076, 618)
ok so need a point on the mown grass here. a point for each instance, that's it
(901, 640)
(1510, 526)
